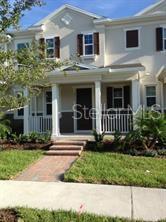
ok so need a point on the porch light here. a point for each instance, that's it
(148, 74)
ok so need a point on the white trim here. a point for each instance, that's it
(139, 38)
(90, 44)
(129, 20)
(50, 38)
(164, 38)
(149, 8)
(66, 6)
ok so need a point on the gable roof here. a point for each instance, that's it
(151, 7)
(74, 66)
(66, 6)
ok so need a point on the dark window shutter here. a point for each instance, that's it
(80, 44)
(159, 39)
(127, 96)
(96, 43)
(57, 47)
(132, 38)
(42, 48)
(109, 97)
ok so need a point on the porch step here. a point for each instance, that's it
(70, 142)
(66, 147)
(63, 153)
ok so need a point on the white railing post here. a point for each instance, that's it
(98, 106)
(136, 98)
(55, 111)
(26, 114)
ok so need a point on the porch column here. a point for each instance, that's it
(136, 99)
(26, 114)
(98, 106)
(55, 111)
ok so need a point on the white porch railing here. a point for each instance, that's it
(110, 123)
(122, 123)
(40, 124)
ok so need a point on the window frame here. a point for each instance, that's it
(164, 38)
(48, 38)
(23, 43)
(139, 38)
(89, 44)
(147, 86)
(122, 97)
(47, 103)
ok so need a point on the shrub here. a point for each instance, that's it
(98, 137)
(20, 139)
(98, 140)
(161, 152)
(149, 153)
(33, 137)
(4, 127)
(152, 128)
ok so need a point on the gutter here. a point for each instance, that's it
(132, 19)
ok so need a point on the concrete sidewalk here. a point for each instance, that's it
(128, 202)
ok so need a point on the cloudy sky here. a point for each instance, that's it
(108, 8)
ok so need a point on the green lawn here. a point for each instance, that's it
(110, 168)
(14, 161)
(34, 215)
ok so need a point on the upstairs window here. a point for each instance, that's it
(132, 38)
(88, 44)
(50, 48)
(150, 96)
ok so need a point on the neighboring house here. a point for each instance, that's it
(121, 63)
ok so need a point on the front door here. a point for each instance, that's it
(84, 104)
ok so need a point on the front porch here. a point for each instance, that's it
(72, 110)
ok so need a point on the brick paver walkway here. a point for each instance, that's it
(48, 169)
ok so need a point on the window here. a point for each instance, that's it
(150, 96)
(132, 38)
(50, 48)
(88, 44)
(20, 112)
(118, 97)
(48, 103)
(164, 38)
(23, 45)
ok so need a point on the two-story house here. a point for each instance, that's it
(121, 63)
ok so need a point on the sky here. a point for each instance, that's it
(108, 8)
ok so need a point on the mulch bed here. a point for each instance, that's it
(25, 146)
(8, 215)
